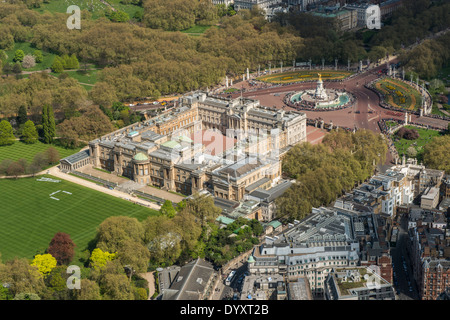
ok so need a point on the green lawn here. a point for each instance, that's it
(95, 7)
(84, 77)
(130, 9)
(424, 137)
(196, 30)
(27, 151)
(27, 48)
(30, 218)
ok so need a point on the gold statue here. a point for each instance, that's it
(320, 77)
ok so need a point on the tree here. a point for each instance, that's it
(57, 66)
(15, 169)
(435, 153)
(29, 133)
(74, 63)
(28, 62)
(167, 209)
(38, 56)
(22, 116)
(411, 152)
(203, 208)
(52, 155)
(48, 124)
(89, 290)
(134, 257)
(45, 263)
(16, 68)
(116, 287)
(21, 277)
(115, 230)
(18, 56)
(6, 133)
(99, 258)
(26, 296)
(7, 69)
(62, 248)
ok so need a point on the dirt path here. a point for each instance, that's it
(151, 283)
(54, 171)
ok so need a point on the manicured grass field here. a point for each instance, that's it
(30, 218)
(425, 136)
(304, 75)
(27, 151)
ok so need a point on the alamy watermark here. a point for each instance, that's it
(373, 18)
(74, 21)
(74, 281)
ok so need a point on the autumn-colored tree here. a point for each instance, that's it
(45, 263)
(62, 248)
(52, 155)
(99, 258)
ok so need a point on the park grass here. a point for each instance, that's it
(21, 150)
(30, 218)
(86, 78)
(27, 48)
(304, 75)
(130, 9)
(196, 30)
(425, 136)
(94, 7)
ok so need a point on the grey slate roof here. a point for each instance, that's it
(190, 282)
(74, 158)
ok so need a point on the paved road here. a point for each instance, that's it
(365, 114)
(403, 281)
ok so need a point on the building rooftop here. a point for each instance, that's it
(190, 282)
(74, 158)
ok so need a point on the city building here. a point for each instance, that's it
(205, 142)
(429, 250)
(445, 186)
(421, 177)
(266, 198)
(248, 4)
(263, 287)
(366, 13)
(299, 290)
(389, 6)
(225, 2)
(190, 282)
(382, 194)
(347, 19)
(309, 249)
(430, 198)
(75, 161)
(436, 278)
(361, 283)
